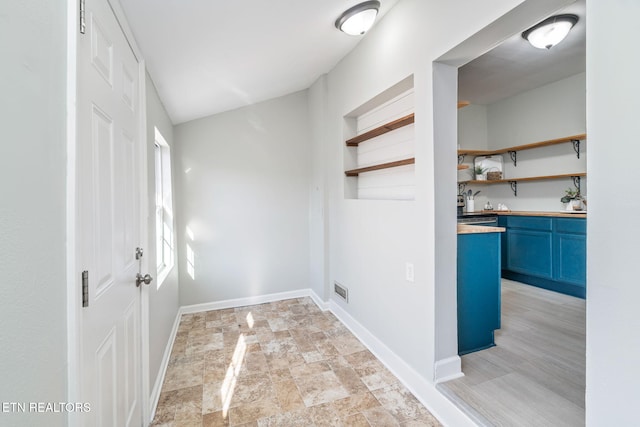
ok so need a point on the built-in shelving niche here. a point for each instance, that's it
(379, 146)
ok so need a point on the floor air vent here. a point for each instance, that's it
(341, 291)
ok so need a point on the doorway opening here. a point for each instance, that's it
(479, 126)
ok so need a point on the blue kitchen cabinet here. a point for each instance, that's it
(504, 241)
(530, 245)
(570, 242)
(478, 290)
(530, 252)
(548, 252)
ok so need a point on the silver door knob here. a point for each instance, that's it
(140, 279)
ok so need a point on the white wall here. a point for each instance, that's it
(243, 190)
(33, 288)
(445, 88)
(371, 240)
(551, 111)
(163, 301)
(548, 112)
(613, 294)
(472, 127)
(318, 218)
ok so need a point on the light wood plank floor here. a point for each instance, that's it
(535, 376)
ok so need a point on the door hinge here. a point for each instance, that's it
(85, 288)
(82, 17)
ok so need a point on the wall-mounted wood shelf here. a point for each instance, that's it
(540, 144)
(514, 181)
(529, 178)
(356, 172)
(381, 130)
(513, 151)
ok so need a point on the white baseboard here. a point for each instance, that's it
(157, 386)
(323, 305)
(441, 407)
(241, 302)
(448, 369)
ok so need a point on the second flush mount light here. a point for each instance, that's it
(550, 32)
(358, 19)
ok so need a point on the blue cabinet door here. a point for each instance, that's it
(571, 258)
(530, 252)
(570, 243)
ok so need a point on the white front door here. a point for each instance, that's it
(109, 228)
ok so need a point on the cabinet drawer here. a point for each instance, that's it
(531, 223)
(571, 225)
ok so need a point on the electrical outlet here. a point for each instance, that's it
(408, 271)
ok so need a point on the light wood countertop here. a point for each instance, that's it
(538, 213)
(471, 229)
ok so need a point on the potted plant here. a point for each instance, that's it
(479, 172)
(573, 198)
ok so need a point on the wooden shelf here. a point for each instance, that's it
(540, 144)
(530, 178)
(461, 167)
(514, 181)
(462, 104)
(356, 172)
(475, 152)
(381, 130)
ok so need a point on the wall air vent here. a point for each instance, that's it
(341, 291)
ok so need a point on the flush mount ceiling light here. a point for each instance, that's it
(550, 32)
(358, 19)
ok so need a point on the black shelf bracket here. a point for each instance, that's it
(514, 187)
(461, 187)
(576, 146)
(460, 159)
(576, 182)
(514, 157)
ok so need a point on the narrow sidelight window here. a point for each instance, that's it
(164, 209)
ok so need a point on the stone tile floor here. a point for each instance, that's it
(285, 363)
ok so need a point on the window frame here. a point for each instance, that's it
(164, 231)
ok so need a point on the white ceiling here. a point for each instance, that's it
(515, 66)
(209, 56)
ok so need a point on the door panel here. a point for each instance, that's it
(109, 160)
(101, 148)
(107, 381)
(131, 371)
